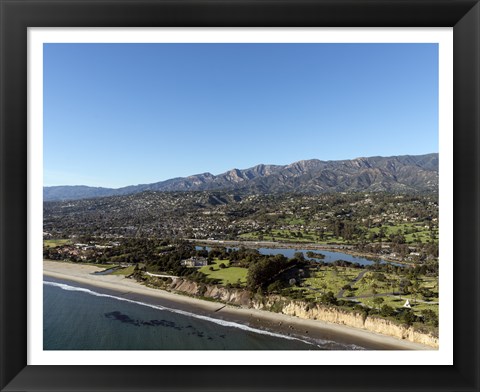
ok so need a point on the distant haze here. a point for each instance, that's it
(124, 114)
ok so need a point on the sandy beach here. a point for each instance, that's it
(83, 275)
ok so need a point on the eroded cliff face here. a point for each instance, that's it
(304, 310)
(358, 320)
(230, 296)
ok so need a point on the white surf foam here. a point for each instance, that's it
(318, 343)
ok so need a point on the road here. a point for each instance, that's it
(161, 276)
(360, 276)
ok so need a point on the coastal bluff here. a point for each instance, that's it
(304, 310)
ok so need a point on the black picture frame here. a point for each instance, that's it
(17, 15)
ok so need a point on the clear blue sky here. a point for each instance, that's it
(124, 114)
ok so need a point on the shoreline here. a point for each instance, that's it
(260, 319)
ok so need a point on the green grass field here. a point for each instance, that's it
(366, 285)
(293, 221)
(327, 279)
(225, 275)
(412, 232)
(55, 243)
(124, 271)
(396, 303)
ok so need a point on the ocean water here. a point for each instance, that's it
(76, 318)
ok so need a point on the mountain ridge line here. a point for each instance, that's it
(401, 173)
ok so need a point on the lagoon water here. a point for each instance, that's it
(77, 318)
(330, 257)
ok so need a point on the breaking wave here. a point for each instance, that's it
(315, 342)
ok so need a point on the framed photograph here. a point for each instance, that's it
(230, 188)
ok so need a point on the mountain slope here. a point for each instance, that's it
(391, 174)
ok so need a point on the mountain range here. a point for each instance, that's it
(406, 173)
